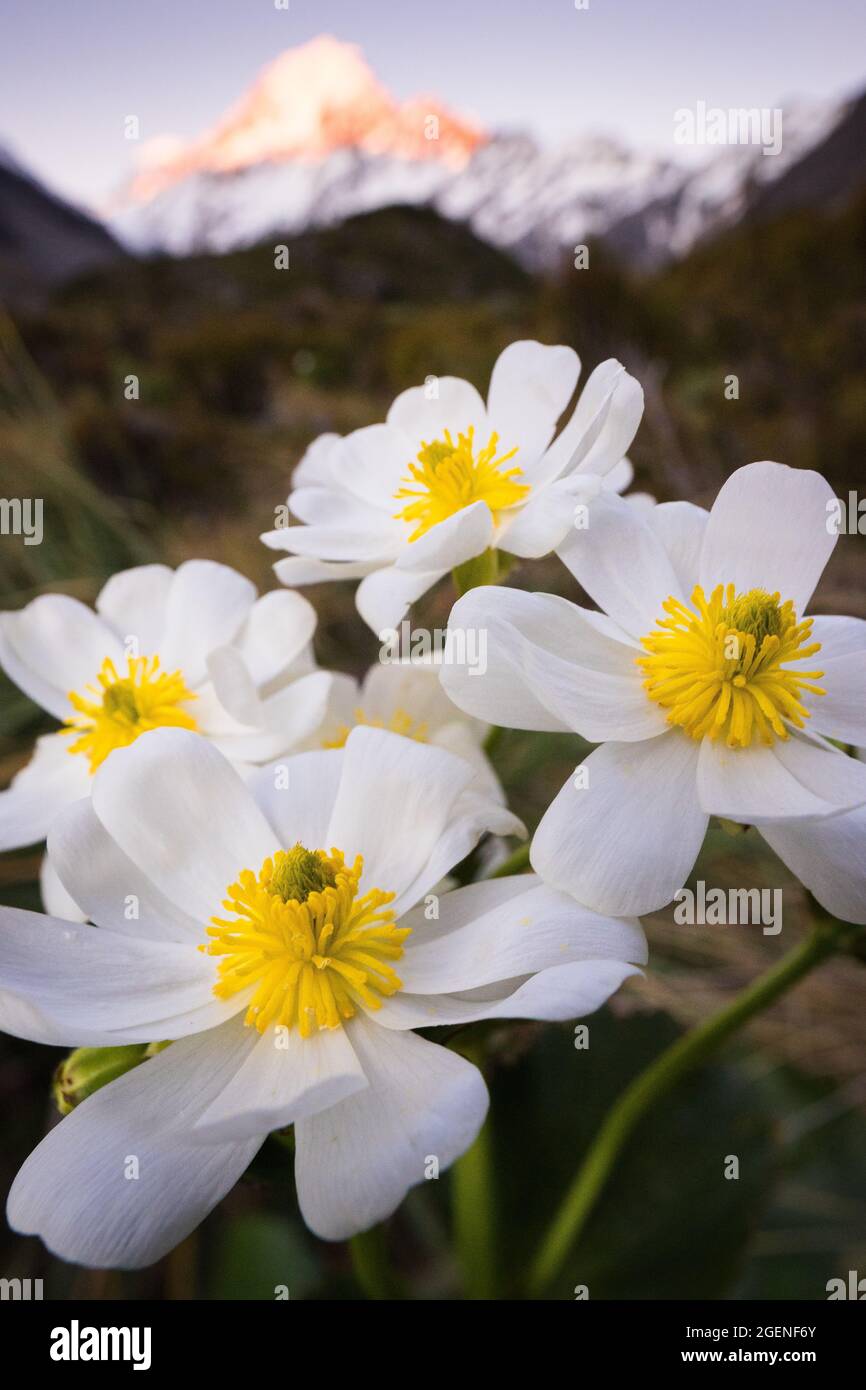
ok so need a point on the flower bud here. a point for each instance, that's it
(87, 1069)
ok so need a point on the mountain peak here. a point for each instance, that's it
(304, 105)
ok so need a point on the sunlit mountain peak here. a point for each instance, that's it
(303, 106)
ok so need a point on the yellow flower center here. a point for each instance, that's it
(720, 671)
(449, 477)
(124, 707)
(310, 949)
(401, 722)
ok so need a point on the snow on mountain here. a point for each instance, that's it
(219, 212)
(307, 104)
(537, 202)
(317, 139)
(718, 194)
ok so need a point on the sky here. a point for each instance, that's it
(72, 70)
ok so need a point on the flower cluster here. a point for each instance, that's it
(250, 868)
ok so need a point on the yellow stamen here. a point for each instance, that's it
(401, 722)
(720, 671)
(302, 941)
(124, 707)
(451, 476)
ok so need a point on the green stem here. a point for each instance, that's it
(688, 1052)
(481, 569)
(370, 1263)
(474, 1222)
(514, 863)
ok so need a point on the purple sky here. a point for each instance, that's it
(71, 70)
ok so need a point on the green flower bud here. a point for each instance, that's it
(88, 1069)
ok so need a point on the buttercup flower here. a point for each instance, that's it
(406, 697)
(285, 945)
(447, 477)
(191, 648)
(709, 690)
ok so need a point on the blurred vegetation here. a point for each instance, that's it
(239, 366)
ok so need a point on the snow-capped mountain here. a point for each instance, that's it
(317, 139)
(722, 190)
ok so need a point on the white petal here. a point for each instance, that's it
(412, 687)
(285, 1078)
(461, 736)
(626, 842)
(530, 386)
(792, 778)
(108, 887)
(451, 542)
(352, 542)
(475, 813)
(327, 510)
(343, 703)
(92, 985)
(355, 1163)
(394, 802)
(55, 899)
(21, 1019)
(371, 464)
(550, 665)
(553, 995)
(277, 630)
(423, 417)
(299, 569)
(841, 712)
(51, 780)
(298, 794)
(620, 476)
(384, 597)
(827, 857)
(134, 603)
(680, 526)
(768, 530)
(480, 675)
(235, 693)
(53, 646)
(108, 1218)
(621, 563)
(288, 719)
(272, 726)
(180, 812)
(547, 517)
(580, 432)
(536, 929)
(207, 607)
(838, 637)
(315, 465)
(618, 429)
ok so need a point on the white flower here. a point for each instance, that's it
(406, 697)
(707, 700)
(192, 647)
(296, 1004)
(446, 478)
